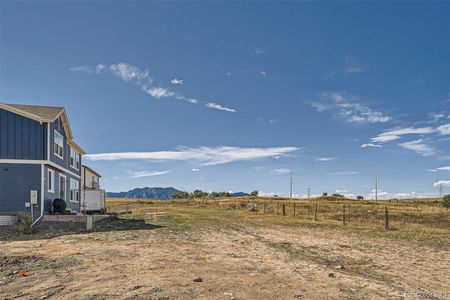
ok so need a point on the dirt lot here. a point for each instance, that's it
(238, 255)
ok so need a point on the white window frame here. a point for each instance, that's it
(76, 159)
(50, 181)
(74, 190)
(65, 186)
(56, 145)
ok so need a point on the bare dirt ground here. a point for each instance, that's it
(237, 257)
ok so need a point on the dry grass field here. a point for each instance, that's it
(241, 249)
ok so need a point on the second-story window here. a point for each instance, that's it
(59, 144)
(74, 159)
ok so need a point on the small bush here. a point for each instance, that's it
(360, 197)
(446, 201)
(24, 224)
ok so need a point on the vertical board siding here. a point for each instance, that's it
(16, 182)
(65, 162)
(20, 137)
(50, 196)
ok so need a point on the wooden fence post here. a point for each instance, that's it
(315, 212)
(294, 209)
(343, 215)
(284, 210)
(277, 208)
(386, 218)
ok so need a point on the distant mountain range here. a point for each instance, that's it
(146, 192)
(155, 193)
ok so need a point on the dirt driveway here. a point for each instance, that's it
(234, 262)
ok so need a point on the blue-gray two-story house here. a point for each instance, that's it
(37, 153)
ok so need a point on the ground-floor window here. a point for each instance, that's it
(74, 190)
(51, 181)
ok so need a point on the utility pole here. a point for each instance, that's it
(309, 193)
(290, 190)
(376, 187)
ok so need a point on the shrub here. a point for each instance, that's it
(338, 195)
(324, 194)
(24, 224)
(446, 201)
(254, 193)
(180, 195)
(360, 197)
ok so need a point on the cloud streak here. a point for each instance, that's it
(348, 108)
(140, 174)
(419, 147)
(395, 134)
(370, 145)
(142, 78)
(282, 171)
(203, 155)
(176, 81)
(219, 107)
(326, 158)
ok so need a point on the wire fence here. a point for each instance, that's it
(390, 215)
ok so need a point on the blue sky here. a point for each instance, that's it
(231, 96)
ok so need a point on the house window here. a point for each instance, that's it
(74, 159)
(51, 181)
(74, 190)
(59, 144)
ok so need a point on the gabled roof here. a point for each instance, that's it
(44, 114)
(92, 171)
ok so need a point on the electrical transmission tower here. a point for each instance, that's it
(441, 190)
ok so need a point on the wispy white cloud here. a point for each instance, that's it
(340, 173)
(176, 81)
(219, 107)
(86, 69)
(128, 72)
(259, 51)
(195, 170)
(397, 133)
(350, 66)
(143, 79)
(349, 109)
(436, 116)
(282, 171)
(444, 129)
(446, 168)
(203, 155)
(262, 73)
(140, 174)
(159, 92)
(326, 158)
(371, 145)
(443, 183)
(419, 147)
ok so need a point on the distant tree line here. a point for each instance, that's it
(201, 194)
